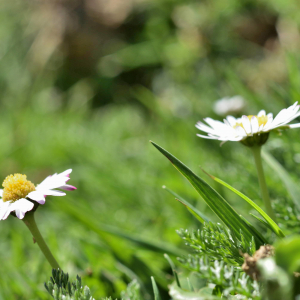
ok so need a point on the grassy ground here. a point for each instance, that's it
(99, 230)
(119, 177)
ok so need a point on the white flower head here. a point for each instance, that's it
(228, 105)
(250, 130)
(19, 194)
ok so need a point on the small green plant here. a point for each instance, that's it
(60, 287)
(227, 280)
(218, 242)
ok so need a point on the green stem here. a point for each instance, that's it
(30, 223)
(256, 150)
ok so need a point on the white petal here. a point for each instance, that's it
(37, 196)
(240, 132)
(254, 125)
(295, 125)
(66, 173)
(204, 128)
(54, 181)
(246, 124)
(21, 206)
(4, 209)
(261, 113)
(208, 137)
(232, 121)
(280, 117)
(217, 125)
(53, 193)
(1, 193)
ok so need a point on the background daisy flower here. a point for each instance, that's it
(18, 192)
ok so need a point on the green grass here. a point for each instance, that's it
(118, 173)
(119, 178)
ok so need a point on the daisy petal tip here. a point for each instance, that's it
(69, 188)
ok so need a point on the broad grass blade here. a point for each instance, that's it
(214, 200)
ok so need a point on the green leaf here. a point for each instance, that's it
(213, 199)
(177, 293)
(193, 210)
(292, 188)
(167, 257)
(253, 230)
(261, 221)
(272, 225)
(155, 289)
(287, 254)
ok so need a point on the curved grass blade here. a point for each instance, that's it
(253, 230)
(167, 257)
(261, 221)
(155, 289)
(193, 210)
(213, 199)
(292, 188)
(273, 226)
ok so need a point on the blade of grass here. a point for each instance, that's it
(292, 188)
(254, 230)
(213, 199)
(261, 221)
(86, 217)
(193, 210)
(167, 257)
(274, 227)
(155, 289)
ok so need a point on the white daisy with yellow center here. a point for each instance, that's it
(244, 128)
(19, 194)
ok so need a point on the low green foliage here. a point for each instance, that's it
(227, 280)
(218, 242)
(155, 74)
(60, 288)
(133, 292)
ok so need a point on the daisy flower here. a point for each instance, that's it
(228, 105)
(20, 194)
(250, 130)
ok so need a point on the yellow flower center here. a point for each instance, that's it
(16, 187)
(262, 120)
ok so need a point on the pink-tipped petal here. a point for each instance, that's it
(37, 196)
(65, 173)
(68, 187)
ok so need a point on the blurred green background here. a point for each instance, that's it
(85, 84)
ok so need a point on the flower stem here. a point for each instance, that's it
(256, 150)
(30, 223)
